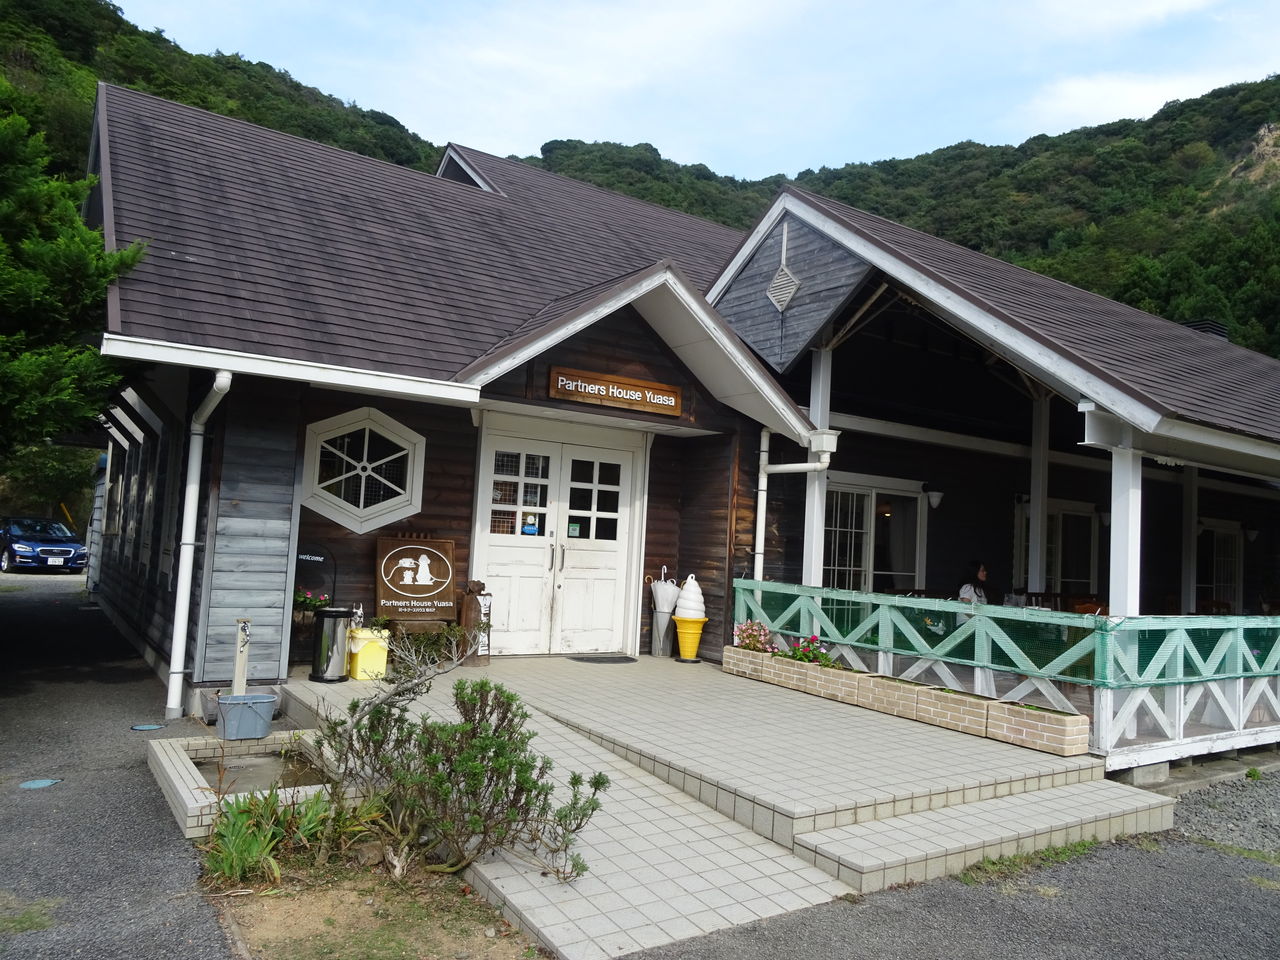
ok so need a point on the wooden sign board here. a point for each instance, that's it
(606, 390)
(415, 579)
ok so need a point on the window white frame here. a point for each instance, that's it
(871, 485)
(1228, 585)
(354, 518)
(1053, 535)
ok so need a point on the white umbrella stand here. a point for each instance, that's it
(665, 594)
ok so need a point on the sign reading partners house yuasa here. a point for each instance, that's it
(415, 579)
(606, 390)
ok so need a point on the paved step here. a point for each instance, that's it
(663, 866)
(923, 846)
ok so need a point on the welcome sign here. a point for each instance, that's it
(605, 390)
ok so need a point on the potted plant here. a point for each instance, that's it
(752, 646)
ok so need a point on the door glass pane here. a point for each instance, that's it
(845, 540)
(579, 498)
(895, 541)
(1077, 554)
(579, 527)
(502, 521)
(537, 466)
(506, 464)
(535, 495)
(607, 501)
(606, 528)
(610, 474)
(533, 524)
(504, 491)
(582, 471)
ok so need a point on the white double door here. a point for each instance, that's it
(555, 528)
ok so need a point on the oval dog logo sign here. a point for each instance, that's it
(415, 579)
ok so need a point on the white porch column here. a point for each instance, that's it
(1126, 531)
(1190, 534)
(815, 488)
(1039, 505)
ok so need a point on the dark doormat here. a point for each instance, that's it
(604, 659)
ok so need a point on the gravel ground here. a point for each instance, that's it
(99, 853)
(1241, 813)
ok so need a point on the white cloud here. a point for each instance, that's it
(1099, 98)
(1104, 19)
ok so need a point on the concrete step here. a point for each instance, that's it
(790, 802)
(921, 846)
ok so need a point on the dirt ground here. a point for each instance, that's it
(368, 916)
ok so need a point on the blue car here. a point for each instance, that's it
(33, 543)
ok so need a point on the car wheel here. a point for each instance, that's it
(6, 562)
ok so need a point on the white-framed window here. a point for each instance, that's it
(1071, 546)
(1219, 566)
(875, 533)
(363, 469)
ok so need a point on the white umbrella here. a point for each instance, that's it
(665, 593)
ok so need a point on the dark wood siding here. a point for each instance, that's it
(696, 525)
(622, 344)
(828, 275)
(448, 493)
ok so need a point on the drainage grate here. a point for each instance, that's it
(604, 659)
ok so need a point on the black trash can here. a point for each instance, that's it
(329, 661)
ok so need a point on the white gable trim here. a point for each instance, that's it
(284, 368)
(995, 334)
(702, 341)
(748, 249)
(1001, 338)
(451, 154)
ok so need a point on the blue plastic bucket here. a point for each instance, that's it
(246, 717)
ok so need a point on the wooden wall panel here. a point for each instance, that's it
(622, 344)
(250, 515)
(448, 494)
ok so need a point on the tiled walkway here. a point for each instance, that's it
(727, 792)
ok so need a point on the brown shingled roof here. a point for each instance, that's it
(268, 244)
(1174, 370)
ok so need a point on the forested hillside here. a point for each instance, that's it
(54, 52)
(1178, 214)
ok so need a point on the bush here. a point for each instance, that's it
(449, 792)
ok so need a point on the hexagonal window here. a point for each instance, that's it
(363, 469)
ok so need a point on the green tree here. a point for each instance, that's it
(39, 477)
(54, 274)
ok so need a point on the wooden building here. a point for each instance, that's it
(328, 349)
(572, 389)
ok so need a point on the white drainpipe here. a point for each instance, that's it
(187, 542)
(821, 442)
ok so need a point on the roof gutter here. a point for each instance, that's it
(821, 442)
(186, 543)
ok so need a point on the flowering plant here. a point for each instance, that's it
(753, 635)
(306, 600)
(808, 651)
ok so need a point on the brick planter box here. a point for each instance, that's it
(966, 712)
(743, 663)
(887, 695)
(1064, 734)
(791, 674)
(809, 678)
(1050, 731)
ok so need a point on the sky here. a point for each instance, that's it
(748, 87)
